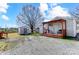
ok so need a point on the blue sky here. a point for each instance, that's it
(49, 10)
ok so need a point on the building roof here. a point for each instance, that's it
(56, 20)
(59, 18)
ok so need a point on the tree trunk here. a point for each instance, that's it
(32, 29)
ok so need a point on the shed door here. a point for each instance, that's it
(25, 30)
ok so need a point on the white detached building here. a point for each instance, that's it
(71, 26)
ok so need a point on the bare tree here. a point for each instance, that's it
(75, 12)
(30, 17)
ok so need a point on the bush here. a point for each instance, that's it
(68, 37)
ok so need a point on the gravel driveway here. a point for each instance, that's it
(41, 45)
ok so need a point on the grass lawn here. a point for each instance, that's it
(3, 46)
(16, 35)
(7, 45)
(13, 35)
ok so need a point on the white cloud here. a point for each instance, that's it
(55, 10)
(4, 17)
(3, 6)
(54, 4)
(3, 9)
(59, 11)
(43, 7)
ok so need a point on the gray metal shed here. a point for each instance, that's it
(23, 30)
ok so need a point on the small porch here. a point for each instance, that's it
(55, 28)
